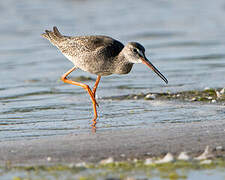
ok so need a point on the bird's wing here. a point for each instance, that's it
(88, 44)
(110, 47)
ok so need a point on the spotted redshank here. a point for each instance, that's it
(100, 55)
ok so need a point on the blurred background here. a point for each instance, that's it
(184, 39)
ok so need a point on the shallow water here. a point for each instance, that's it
(110, 173)
(184, 39)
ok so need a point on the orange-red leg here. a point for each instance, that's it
(87, 88)
(96, 85)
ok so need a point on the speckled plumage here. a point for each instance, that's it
(100, 55)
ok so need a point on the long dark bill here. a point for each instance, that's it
(150, 65)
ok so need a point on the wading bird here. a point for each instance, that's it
(100, 55)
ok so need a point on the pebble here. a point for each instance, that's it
(207, 161)
(122, 155)
(222, 91)
(135, 97)
(81, 164)
(213, 101)
(218, 94)
(219, 148)
(183, 156)
(167, 158)
(205, 155)
(107, 161)
(49, 158)
(129, 178)
(150, 97)
(207, 88)
(149, 161)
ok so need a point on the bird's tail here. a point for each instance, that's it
(55, 37)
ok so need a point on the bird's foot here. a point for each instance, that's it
(93, 125)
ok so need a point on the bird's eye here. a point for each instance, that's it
(135, 50)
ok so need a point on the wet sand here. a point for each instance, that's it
(154, 140)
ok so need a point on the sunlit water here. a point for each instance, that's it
(184, 39)
(104, 173)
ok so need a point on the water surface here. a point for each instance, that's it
(184, 39)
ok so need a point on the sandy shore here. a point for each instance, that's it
(154, 140)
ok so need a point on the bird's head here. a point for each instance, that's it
(135, 53)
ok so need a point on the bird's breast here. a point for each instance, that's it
(123, 68)
(92, 64)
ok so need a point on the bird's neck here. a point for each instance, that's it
(122, 65)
